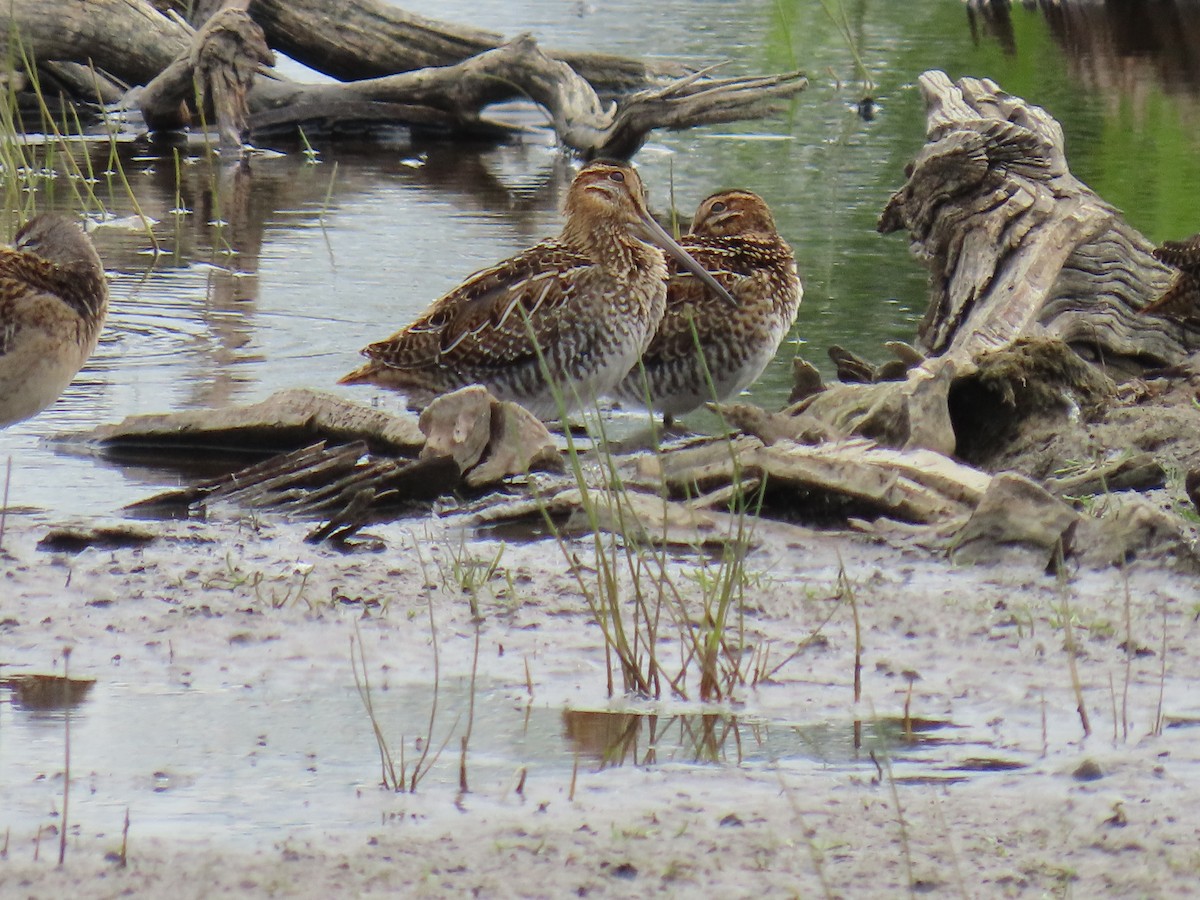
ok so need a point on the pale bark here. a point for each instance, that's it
(1021, 255)
(409, 70)
(366, 39)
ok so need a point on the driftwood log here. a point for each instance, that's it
(1017, 247)
(369, 38)
(402, 70)
(1026, 263)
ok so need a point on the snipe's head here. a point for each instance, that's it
(730, 213)
(605, 194)
(60, 240)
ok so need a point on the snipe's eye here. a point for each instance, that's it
(616, 176)
(718, 207)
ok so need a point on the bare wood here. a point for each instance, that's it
(182, 498)
(368, 39)
(134, 40)
(290, 418)
(916, 485)
(226, 56)
(1016, 245)
(519, 69)
(652, 518)
(458, 425)
(1019, 252)
(129, 39)
(684, 103)
(465, 72)
(77, 80)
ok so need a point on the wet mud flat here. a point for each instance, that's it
(225, 718)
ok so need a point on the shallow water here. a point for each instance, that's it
(248, 761)
(315, 260)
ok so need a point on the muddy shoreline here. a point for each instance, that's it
(987, 645)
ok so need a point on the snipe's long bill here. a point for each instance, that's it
(558, 324)
(53, 300)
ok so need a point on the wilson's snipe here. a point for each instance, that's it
(571, 313)
(53, 299)
(733, 236)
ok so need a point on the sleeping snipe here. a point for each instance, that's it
(53, 299)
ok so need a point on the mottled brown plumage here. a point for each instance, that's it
(53, 299)
(1182, 298)
(585, 302)
(733, 236)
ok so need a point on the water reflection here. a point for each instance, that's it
(646, 739)
(46, 693)
(1114, 48)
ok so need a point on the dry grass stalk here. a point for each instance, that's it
(66, 686)
(1069, 641)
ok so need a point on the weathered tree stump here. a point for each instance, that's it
(1017, 247)
(1020, 253)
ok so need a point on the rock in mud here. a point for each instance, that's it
(1016, 513)
(488, 438)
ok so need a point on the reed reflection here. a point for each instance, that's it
(187, 292)
(1116, 48)
(617, 739)
(642, 739)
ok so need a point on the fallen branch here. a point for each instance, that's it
(454, 97)
(369, 39)
(406, 71)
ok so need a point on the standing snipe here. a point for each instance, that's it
(569, 315)
(701, 339)
(53, 299)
